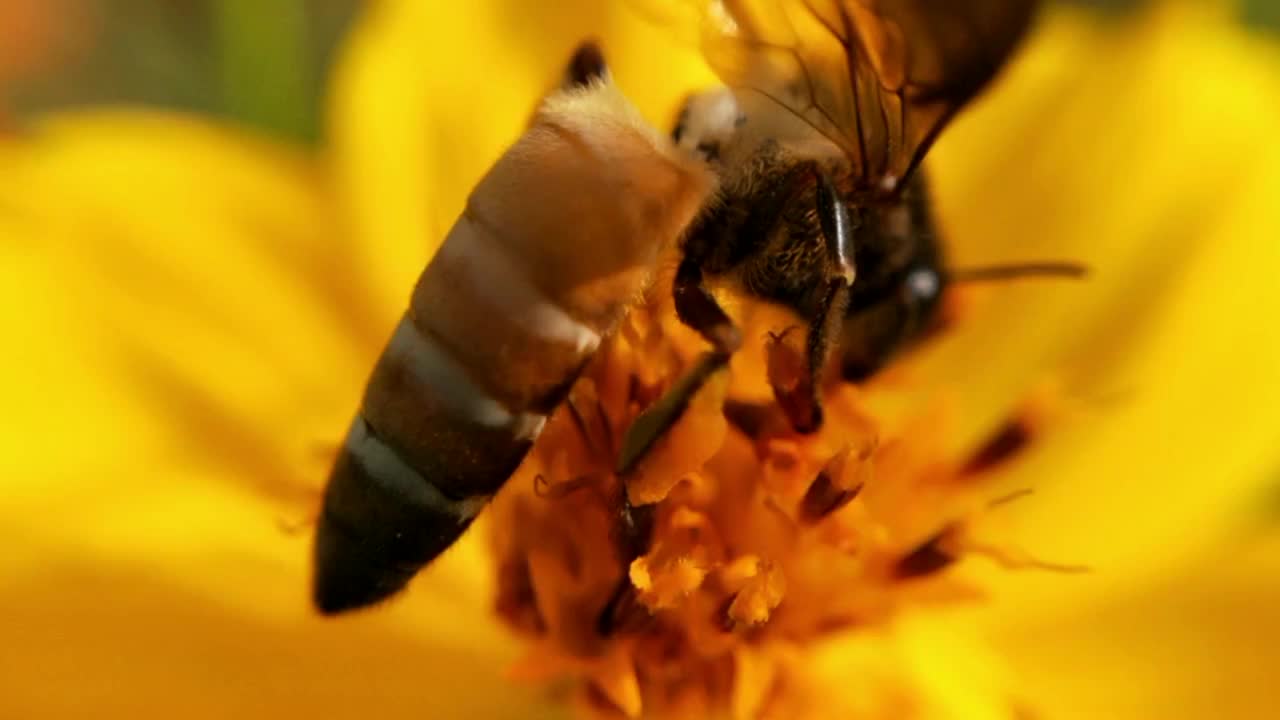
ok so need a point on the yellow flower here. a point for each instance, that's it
(191, 312)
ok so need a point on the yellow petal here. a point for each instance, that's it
(186, 337)
(1157, 167)
(181, 299)
(188, 602)
(1199, 643)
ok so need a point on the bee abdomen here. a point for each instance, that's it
(557, 240)
(452, 407)
(382, 521)
(428, 450)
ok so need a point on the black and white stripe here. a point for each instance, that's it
(382, 522)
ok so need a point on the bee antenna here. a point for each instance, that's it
(1015, 271)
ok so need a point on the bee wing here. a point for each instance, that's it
(879, 78)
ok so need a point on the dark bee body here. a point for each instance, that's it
(896, 301)
(765, 234)
(767, 237)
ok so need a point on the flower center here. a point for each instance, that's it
(740, 543)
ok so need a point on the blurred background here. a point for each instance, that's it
(262, 64)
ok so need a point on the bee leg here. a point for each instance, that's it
(803, 403)
(837, 229)
(632, 537)
(698, 309)
(662, 414)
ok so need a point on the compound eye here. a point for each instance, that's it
(923, 285)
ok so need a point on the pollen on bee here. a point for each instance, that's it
(736, 537)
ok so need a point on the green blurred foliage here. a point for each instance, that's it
(1263, 13)
(262, 63)
(1259, 13)
(258, 62)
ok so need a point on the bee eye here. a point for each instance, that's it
(923, 284)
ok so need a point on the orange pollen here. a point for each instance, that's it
(744, 543)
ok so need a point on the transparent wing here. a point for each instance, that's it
(879, 78)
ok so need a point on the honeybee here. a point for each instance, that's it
(798, 185)
(555, 243)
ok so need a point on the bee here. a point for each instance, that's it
(556, 242)
(798, 184)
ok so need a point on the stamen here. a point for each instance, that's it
(1037, 409)
(789, 377)
(1014, 559)
(760, 587)
(1009, 498)
(825, 495)
(1009, 440)
(1017, 271)
(544, 489)
(656, 590)
(753, 419)
(928, 558)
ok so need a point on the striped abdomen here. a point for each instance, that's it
(556, 241)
